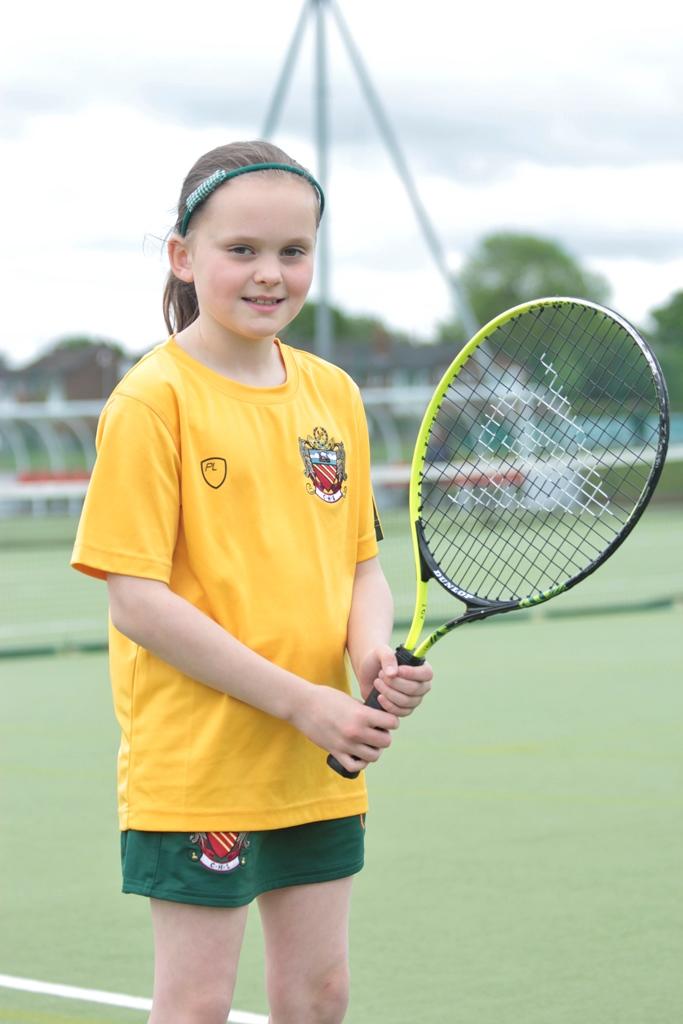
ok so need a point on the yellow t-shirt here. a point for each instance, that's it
(255, 505)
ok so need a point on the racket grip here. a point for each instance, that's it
(403, 657)
(339, 768)
(371, 702)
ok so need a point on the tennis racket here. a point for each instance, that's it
(537, 455)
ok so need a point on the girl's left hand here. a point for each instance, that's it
(400, 687)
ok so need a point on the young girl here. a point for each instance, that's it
(231, 514)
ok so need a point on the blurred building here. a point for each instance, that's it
(400, 365)
(67, 373)
(89, 372)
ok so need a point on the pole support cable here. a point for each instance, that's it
(280, 92)
(391, 142)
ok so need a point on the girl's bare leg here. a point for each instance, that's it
(306, 936)
(196, 952)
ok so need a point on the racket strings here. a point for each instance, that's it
(534, 534)
(493, 566)
(538, 452)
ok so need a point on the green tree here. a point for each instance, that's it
(508, 268)
(666, 336)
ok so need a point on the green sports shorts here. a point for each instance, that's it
(230, 869)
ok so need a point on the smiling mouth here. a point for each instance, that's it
(266, 303)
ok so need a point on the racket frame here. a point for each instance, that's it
(426, 567)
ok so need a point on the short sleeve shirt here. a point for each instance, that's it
(255, 505)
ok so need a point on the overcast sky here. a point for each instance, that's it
(564, 121)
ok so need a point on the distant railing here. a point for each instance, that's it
(48, 449)
(59, 436)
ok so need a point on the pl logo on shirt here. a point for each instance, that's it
(324, 464)
(214, 471)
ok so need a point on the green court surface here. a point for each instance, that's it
(48, 607)
(525, 837)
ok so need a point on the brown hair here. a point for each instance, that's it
(180, 299)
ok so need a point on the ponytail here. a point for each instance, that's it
(180, 304)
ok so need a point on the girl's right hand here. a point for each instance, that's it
(344, 726)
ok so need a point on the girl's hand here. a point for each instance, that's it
(343, 726)
(400, 687)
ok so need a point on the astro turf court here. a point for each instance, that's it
(525, 838)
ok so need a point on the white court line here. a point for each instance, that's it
(92, 995)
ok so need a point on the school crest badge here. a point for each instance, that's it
(219, 851)
(324, 464)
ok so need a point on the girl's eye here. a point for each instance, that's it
(294, 250)
(240, 250)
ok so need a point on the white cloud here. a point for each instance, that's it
(641, 286)
(518, 118)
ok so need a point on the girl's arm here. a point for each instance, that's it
(151, 615)
(401, 687)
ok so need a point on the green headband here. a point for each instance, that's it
(211, 183)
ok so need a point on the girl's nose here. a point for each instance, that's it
(268, 271)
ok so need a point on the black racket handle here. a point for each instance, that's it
(403, 657)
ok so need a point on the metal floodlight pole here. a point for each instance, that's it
(273, 115)
(323, 311)
(323, 323)
(457, 294)
(323, 341)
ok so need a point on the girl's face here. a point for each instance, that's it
(250, 252)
